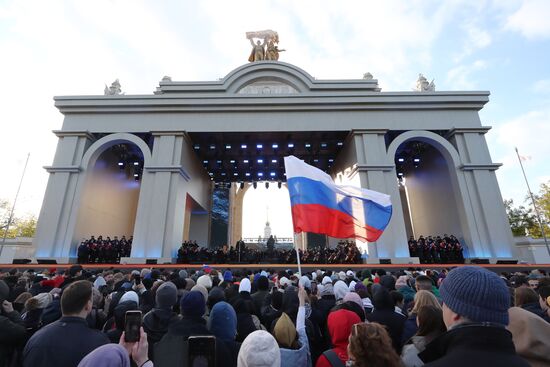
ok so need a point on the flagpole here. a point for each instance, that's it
(10, 218)
(297, 254)
(534, 205)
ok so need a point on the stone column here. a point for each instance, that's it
(53, 236)
(490, 229)
(160, 217)
(377, 174)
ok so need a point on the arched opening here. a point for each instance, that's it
(427, 188)
(266, 212)
(110, 194)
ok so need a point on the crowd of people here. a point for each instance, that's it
(346, 252)
(104, 251)
(468, 316)
(437, 249)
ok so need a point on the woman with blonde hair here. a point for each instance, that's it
(421, 298)
(370, 345)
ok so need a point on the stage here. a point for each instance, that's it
(497, 268)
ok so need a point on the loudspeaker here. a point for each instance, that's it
(151, 261)
(480, 261)
(21, 261)
(507, 261)
(385, 261)
(46, 261)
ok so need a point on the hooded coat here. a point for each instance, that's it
(299, 356)
(531, 335)
(339, 326)
(473, 345)
(223, 324)
(384, 313)
(120, 318)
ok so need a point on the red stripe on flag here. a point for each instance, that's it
(316, 218)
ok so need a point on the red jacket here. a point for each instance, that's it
(339, 325)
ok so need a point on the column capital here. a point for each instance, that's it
(462, 130)
(168, 133)
(480, 167)
(369, 131)
(63, 133)
(60, 169)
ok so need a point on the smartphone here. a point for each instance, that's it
(137, 279)
(132, 324)
(201, 351)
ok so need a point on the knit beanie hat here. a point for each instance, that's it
(205, 281)
(340, 290)
(245, 285)
(476, 293)
(182, 274)
(401, 282)
(193, 304)
(129, 296)
(202, 290)
(167, 295)
(227, 276)
(43, 299)
(259, 349)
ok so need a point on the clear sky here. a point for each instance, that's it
(76, 47)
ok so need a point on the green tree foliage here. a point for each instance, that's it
(523, 221)
(19, 226)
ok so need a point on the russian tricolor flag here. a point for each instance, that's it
(320, 206)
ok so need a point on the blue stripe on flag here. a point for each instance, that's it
(306, 191)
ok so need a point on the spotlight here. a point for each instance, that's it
(259, 146)
(267, 185)
(308, 145)
(219, 161)
(136, 175)
(400, 174)
(275, 146)
(121, 165)
(315, 161)
(291, 145)
(260, 174)
(330, 160)
(205, 162)
(232, 161)
(254, 184)
(273, 161)
(324, 145)
(212, 147)
(136, 163)
(227, 146)
(235, 174)
(401, 160)
(223, 173)
(339, 144)
(243, 146)
(260, 160)
(210, 174)
(279, 184)
(247, 174)
(272, 174)
(245, 161)
(242, 185)
(196, 147)
(416, 160)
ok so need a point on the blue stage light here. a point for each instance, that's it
(272, 174)
(274, 145)
(291, 145)
(260, 160)
(260, 174)
(401, 160)
(245, 161)
(243, 146)
(247, 174)
(259, 146)
(273, 161)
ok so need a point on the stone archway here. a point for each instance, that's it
(81, 210)
(446, 189)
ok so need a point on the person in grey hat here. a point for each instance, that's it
(157, 321)
(475, 311)
(12, 328)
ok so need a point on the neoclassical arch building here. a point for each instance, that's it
(426, 149)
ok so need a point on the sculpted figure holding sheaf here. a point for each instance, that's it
(422, 84)
(259, 52)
